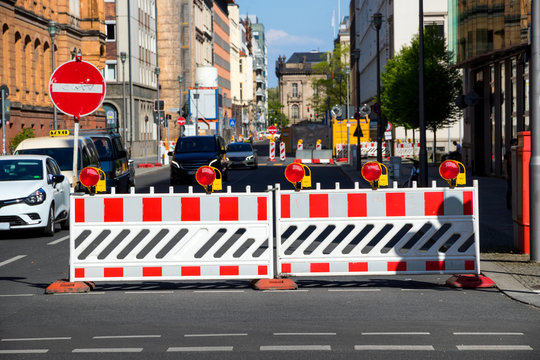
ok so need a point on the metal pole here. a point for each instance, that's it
(124, 122)
(157, 86)
(130, 83)
(347, 72)
(358, 101)
(423, 178)
(534, 166)
(3, 123)
(53, 65)
(379, 117)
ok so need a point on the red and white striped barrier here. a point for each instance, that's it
(282, 153)
(171, 236)
(388, 231)
(272, 151)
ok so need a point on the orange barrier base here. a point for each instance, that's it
(64, 286)
(470, 281)
(273, 284)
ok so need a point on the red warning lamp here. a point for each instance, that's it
(205, 175)
(89, 177)
(294, 172)
(449, 170)
(371, 171)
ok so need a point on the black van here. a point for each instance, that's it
(192, 152)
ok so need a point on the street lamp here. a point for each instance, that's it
(52, 32)
(180, 100)
(123, 57)
(377, 22)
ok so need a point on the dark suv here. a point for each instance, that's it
(120, 171)
(192, 152)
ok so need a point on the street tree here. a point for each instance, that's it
(275, 109)
(442, 85)
(329, 80)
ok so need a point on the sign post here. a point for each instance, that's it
(5, 92)
(77, 88)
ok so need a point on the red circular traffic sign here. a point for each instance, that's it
(77, 88)
(181, 121)
(272, 130)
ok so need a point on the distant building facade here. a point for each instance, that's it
(295, 85)
(26, 58)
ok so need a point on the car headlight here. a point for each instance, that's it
(35, 198)
(250, 157)
(175, 164)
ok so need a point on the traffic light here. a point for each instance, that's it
(161, 105)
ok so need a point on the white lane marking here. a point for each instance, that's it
(13, 295)
(305, 334)
(108, 350)
(200, 348)
(417, 289)
(296, 348)
(396, 333)
(81, 294)
(77, 88)
(18, 257)
(353, 290)
(395, 347)
(40, 339)
(125, 336)
(214, 335)
(25, 351)
(489, 333)
(218, 291)
(57, 241)
(150, 292)
(494, 347)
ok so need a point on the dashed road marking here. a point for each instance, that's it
(40, 339)
(15, 295)
(394, 347)
(218, 291)
(295, 348)
(214, 335)
(125, 336)
(57, 241)
(15, 258)
(494, 347)
(305, 334)
(25, 351)
(108, 350)
(200, 348)
(490, 333)
(396, 333)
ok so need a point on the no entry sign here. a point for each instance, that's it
(181, 121)
(77, 88)
(272, 130)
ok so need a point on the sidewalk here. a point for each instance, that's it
(512, 272)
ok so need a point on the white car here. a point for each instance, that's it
(33, 193)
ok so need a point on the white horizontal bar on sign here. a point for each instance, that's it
(77, 88)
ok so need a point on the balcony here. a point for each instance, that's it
(259, 79)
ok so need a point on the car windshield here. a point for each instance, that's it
(63, 156)
(196, 144)
(238, 147)
(16, 170)
(104, 148)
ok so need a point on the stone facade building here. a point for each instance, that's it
(295, 88)
(26, 57)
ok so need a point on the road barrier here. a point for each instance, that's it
(282, 154)
(171, 236)
(388, 231)
(272, 151)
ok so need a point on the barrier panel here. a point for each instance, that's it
(171, 236)
(387, 231)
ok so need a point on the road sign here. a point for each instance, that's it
(388, 126)
(77, 88)
(336, 111)
(377, 108)
(272, 130)
(232, 122)
(364, 111)
(181, 121)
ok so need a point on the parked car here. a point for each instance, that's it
(119, 170)
(242, 154)
(33, 193)
(192, 152)
(60, 148)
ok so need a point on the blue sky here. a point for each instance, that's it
(295, 26)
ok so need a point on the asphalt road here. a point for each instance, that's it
(407, 317)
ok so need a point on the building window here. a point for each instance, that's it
(295, 90)
(241, 66)
(294, 112)
(110, 71)
(111, 31)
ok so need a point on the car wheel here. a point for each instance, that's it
(65, 224)
(49, 229)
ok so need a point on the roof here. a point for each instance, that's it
(24, 157)
(49, 142)
(310, 57)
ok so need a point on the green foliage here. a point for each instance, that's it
(275, 113)
(25, 133)
(331, 88)
(400, 85)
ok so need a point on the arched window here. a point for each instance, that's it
(28, 69)
(294, 112)
(6, 60)
(112, 116)
(37, 59)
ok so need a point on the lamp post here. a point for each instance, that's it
(123, 57)
(158, 116)
(52, 32)
(356, 55)
(347, 73)
(180, 100)
(377, 22)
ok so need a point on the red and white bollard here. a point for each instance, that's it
(272, 156)
(300, 145)
(282, 151)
